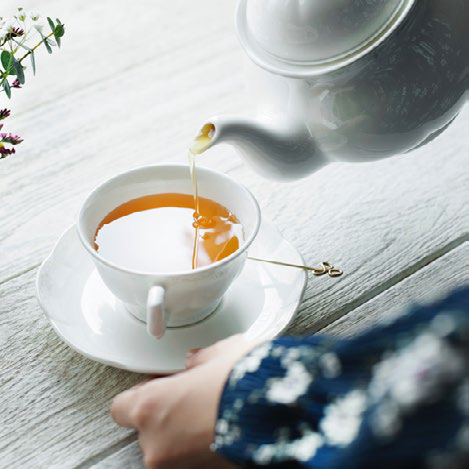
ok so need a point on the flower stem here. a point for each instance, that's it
(44, 39)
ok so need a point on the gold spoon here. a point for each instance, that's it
(326, 267)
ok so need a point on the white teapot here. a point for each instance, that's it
(347, 80)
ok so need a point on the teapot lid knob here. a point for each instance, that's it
(303, 38)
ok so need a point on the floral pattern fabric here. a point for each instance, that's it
(396, 396)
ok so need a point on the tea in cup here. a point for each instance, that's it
(166, 231)
(138, 228)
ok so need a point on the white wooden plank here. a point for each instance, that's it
(429, 284)
(46, 386)
(379, 222)
(67, 169)
(133, 92)
(129, 457)
(54, 404)
(105, 38)
(139, 116)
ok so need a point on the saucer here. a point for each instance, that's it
(260, 303)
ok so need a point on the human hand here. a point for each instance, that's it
(175, 416)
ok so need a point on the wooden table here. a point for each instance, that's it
(130, 87)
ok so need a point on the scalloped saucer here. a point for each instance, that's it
(261, 303)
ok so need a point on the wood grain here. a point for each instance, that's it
(429, 284)
(136, 116)
(104, 40)
(131, 86)
(129, 457)
(379, 222)
(54, 403)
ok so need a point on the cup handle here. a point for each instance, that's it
(156, 314)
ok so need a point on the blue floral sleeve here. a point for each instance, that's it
(396, 396)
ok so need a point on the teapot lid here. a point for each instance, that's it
(309, 37)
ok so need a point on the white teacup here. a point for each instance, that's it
(169, 299)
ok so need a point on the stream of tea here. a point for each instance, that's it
(199, 145)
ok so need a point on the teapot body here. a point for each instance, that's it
(390, 101)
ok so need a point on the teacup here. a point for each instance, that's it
(169, 299)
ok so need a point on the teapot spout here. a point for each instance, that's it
(273, 149)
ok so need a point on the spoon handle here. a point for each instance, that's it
(326, 267)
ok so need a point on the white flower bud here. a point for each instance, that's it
(22, 15)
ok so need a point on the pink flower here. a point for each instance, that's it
(10, 138)
(4, 113)
(15, 32)
(6, 151)
(16, 84)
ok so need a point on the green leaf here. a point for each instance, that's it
(7, 62)
(51, 24)
(19, 71)
(48, 47)
(5, 58)
(57, 38)
(6, 87)
(59, 31)
(33, 62)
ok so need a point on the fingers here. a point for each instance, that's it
(142, 383)
(124, 404)
(122, 408)
(160, 410)
(197, 357)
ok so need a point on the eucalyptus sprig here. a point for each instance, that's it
(20, 37)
